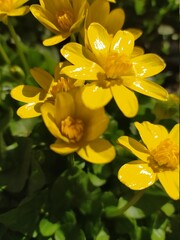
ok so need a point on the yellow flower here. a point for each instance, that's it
(116, 69)
(34, 97)
(77, 128)
(158, 159)
(61, 17)
(12, 8)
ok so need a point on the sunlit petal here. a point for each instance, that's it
(174, 134)
(135, 147)
(55, 39)
(148, 65)
(99, 151)
(63, 148)
(125, 99)
(151, 134)
(29, 110)
(146, 87)
(170, 182)
(136, 175)
(95, 97)
(115, 20)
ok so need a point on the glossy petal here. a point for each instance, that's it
(146, 87)
(122, 43)
(174, 134)
(43, 78)
(29, 110)
(137, 51)
(135, 32)
(99, 151)
(115, 20)
(99, 41)
(125, 99)
(135, 147)
(148, 65)
(63, 148)
(96, 97)
(55, 39)
(28, 94)
(18, 3)
(170, 182)
(77, 54)
(48, 110)
(137, 175)
(151, 134)
(90, 72)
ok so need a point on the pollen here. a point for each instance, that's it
(117, 66)
(62, 85)
(72, 128)
(65, 20)
(165, 156)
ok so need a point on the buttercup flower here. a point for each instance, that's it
(12, 8)
(61, 17)
(77, 128)
(116, 68)
(158, 159)
(34, 97)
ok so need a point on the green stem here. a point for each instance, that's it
(4, 55)
(18, 45)
(132, 202)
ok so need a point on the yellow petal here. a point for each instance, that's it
(19, 11)
(122, 43)
(125, 99)
(170, 182)
(148, 65)
(99, 41)
(136, 175)
(55, 39)
(151, 134)
(115, 20)
(28, 94)
(135, 32)
(44, 17)
(64, 106)
(77, 54)
(135, 147)
(18, 3)
(29, 110)
(43, 78)
(102, 12)
(99, 151)
(137, 51)
(95, 97)
(63, 148)
(90, 72)
(174, 134)
(48, 110)
(146, 87)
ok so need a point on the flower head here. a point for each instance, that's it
(77, 128)
(158, 159)
(34, 97)
(12, 8)
(116, 68)
(61, 17)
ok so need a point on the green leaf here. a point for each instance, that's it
(96, 181)
(102, 235)
(59, 235)
(158, 234)
(168, 209)
(48, 228)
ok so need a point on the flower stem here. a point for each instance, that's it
(4, 55)
(18, 45)
(133, 200)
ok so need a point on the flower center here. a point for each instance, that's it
(5, 5)
(72, 128)
(62, 85)
(116, 66)
(165, 156)
(65, 20)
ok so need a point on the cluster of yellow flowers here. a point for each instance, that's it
(103, 64)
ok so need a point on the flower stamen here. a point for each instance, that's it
(72, 128)
(165, 156)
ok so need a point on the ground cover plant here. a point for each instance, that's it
(89, 120)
